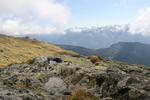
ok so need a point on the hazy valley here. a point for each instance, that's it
(94, 37)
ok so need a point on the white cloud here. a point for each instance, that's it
(16, 27)
(32, 16)
(142, 23)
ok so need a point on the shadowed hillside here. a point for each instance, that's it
(18, 50)
(130, 52)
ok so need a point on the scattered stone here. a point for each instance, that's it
(52, 78)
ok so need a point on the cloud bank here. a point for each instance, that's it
(19, 17)
(141, 25)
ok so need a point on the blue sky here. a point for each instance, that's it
(103, 12)
(19, 17)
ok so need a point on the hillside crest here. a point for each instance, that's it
(22, 49)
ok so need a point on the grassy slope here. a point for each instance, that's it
(18, 50)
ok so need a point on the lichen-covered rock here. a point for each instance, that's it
(55, 78)
(55, 85)
(47, 60)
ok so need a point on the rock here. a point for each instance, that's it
(65, 71)
(51, 60)
(40, 60)
(52, 78)
(55, 86)
(56, 59)
(127, 81)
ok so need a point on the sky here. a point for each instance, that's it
(103, 12)
(53, 16)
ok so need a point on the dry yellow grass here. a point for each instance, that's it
(19, 50)
(81, 94)
(95, 59)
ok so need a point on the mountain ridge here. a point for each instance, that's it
(130, 52)
(95, 37)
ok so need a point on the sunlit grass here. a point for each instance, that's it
(18, 50)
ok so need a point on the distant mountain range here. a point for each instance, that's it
(95, 37)
(130, 52)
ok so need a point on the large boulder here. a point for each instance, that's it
(55, 85)
(47, 60)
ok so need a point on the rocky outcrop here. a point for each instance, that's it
(74, 78)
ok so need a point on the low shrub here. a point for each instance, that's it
(95, 59)
(81, 94)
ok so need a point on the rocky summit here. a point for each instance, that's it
(74, 78)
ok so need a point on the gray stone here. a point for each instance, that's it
(55, 85)
(40, 60)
